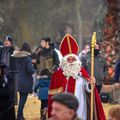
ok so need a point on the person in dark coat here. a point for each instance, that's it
(7, 110)
(82, 55)
(6, 52)
(47, 57)
(100, 66)
(42, 87)
(25, 80)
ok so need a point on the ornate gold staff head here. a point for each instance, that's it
(93, 42)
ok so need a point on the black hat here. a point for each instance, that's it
(8, 37)
(67, 99)
(46, 39)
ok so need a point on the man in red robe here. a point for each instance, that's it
(71, 77)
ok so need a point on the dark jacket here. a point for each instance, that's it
(100, 67)
(42, 86)
(7, 58)
(25, 71)
(6, 91)
(48, 58)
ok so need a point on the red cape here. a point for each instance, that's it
(58, 83)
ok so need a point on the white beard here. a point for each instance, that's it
(72, 69)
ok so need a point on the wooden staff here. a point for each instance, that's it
(93, 42)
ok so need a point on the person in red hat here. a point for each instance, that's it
(73, 78)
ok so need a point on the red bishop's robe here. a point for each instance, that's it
(58, 85)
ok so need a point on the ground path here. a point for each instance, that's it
(33, 105)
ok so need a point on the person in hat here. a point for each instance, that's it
(100, 66)
(72, 77)
(7, 110)
(64, 107)
(6, 53)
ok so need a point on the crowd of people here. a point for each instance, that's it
(60, 79)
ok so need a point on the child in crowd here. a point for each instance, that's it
(42, 87)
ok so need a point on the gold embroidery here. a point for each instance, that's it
(54, 91)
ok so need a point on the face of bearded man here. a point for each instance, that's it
(71, 66)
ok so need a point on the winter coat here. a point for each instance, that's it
(42, 86)
(25, 71)
(48, 58)
(6, 92)
(7, 58)
(100, 68)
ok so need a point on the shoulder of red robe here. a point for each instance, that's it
(84, 73)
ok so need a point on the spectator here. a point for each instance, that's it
(42, 87)
(7, 110)
(34, 57)
(25, 80)
(47, 57)
(7, 51)
(7, 58)
(100, 67)
(114, 113)
(83, 53)
(64, 107)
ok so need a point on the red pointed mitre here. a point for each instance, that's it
(69, 45)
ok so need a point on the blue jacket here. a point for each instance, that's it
(25, 71)
(42, 87)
